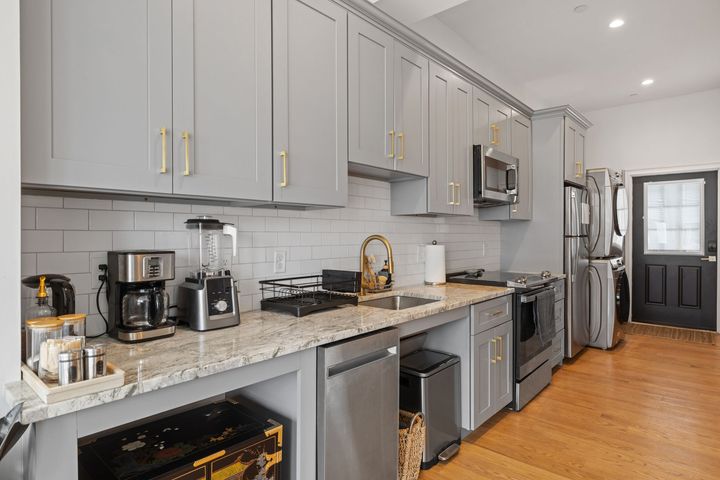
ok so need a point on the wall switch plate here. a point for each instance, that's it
(279, 261)
(97, 259)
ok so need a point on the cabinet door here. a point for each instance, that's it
(96, 92)
(483, 363)
(222, 103)
(580, 155)
(500, 126)
(481, 105)
(370, 95)
(461, 134)
(441, 186)
(411, 111)
(504, 375)
(571, 129)
(310, 102)
(521, 149)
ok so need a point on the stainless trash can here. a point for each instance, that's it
(430, 383)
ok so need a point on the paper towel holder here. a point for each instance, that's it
(434, 283)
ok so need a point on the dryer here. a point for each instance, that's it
(608, 213)
(609, 301)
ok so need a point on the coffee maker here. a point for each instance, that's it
(207, 300)
(137, 300)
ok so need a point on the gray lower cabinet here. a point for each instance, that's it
(492, 372)
(97, 94)
(222, 99)
(310, 102)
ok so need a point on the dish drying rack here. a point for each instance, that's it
(303, 295)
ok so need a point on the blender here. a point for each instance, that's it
(207, 300)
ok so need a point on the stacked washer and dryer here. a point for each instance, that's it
(609, 291)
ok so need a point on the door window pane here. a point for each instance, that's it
(674, 217)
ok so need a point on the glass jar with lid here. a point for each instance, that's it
(41, 335)
(73, 324)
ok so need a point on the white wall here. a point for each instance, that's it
(671, 132)
(10, 200)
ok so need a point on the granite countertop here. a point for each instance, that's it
(262, 335)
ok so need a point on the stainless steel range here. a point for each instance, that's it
(533, 325)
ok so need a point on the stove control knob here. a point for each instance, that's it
(545, 274)
(221, 305)
(522, 280)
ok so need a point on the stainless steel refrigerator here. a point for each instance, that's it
(577, 323)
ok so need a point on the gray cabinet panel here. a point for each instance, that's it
(97, 86)
(521, 149)
(574, 152)
(504, 380)
(482, 103)
(440, 184)
(462, 146)
(411, 111)
(500, 126)
(222, 98)
(370, 95)
(310, 102)
(483, 377)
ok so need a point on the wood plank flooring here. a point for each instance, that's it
(650, 409)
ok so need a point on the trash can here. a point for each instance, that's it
(430, 383)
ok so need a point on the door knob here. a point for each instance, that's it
(711, 258)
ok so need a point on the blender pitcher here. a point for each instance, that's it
(209, 242)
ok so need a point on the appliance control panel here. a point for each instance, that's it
(220, 295)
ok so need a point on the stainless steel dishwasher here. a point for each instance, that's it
(357, 408)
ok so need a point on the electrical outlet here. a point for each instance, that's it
(279, 261)
(421, 254)
(97, 259)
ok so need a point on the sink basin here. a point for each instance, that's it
(398, 302)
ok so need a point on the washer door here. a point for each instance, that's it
(620, 211)
(622, 297)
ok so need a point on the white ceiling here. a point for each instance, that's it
(562, 57)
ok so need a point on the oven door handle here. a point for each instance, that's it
(532, 298)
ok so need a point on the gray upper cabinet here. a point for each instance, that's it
(574, 151)
(491, 121)
(521, 149)
(461, 98)
(222, 99)
(411, 111)
(371, 64)
(310, 102)
(97, 94)
(441, 184)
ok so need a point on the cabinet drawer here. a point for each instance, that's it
(559, 287)
(559, 315)
(490, 314)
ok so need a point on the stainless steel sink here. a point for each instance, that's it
(398, 302)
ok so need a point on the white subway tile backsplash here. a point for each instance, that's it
(89, 241)
(61, 219)
(74, 234)
(111, 220)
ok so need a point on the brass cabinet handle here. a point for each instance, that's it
(578, 169)
(163, 164)
(283, 157)
(391, 133)
(494, 357)
(401, 137)
(457, 185)
(514, 208)
(452, 193)
(494, 129)
(500, 341)
(186, 141)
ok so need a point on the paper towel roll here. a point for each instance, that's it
(434, 264)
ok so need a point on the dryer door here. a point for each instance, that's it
(622, 295)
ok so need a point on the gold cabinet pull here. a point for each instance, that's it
(401, 138)
(578, 169)
(457, 199)
(163, 164)
(186, 141)
(283, 157)
(500, 341)
(391, 134)
(514, 208)
(494, 140)
(494, 344)
(452, 193)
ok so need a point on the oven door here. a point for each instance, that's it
(532, 350)
(494, 177)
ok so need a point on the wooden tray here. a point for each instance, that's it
(51, 394)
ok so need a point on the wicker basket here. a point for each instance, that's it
(411, 445)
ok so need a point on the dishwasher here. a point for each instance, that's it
(357, 408)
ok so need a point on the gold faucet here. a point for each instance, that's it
(388, 247)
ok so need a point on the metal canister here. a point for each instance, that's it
(70, 367)
(94, 361)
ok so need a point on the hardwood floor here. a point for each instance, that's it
(650, 409)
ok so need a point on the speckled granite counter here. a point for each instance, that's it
(261, 336)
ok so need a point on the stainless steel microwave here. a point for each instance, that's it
(494, 177)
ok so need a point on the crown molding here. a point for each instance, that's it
(563, 111)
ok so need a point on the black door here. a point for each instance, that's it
(674, 250)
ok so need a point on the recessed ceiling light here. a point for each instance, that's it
(647, 82)
(372, 1)
(617, 23)
(580, 8)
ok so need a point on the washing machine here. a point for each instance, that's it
(608, 213)
(609, 301)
